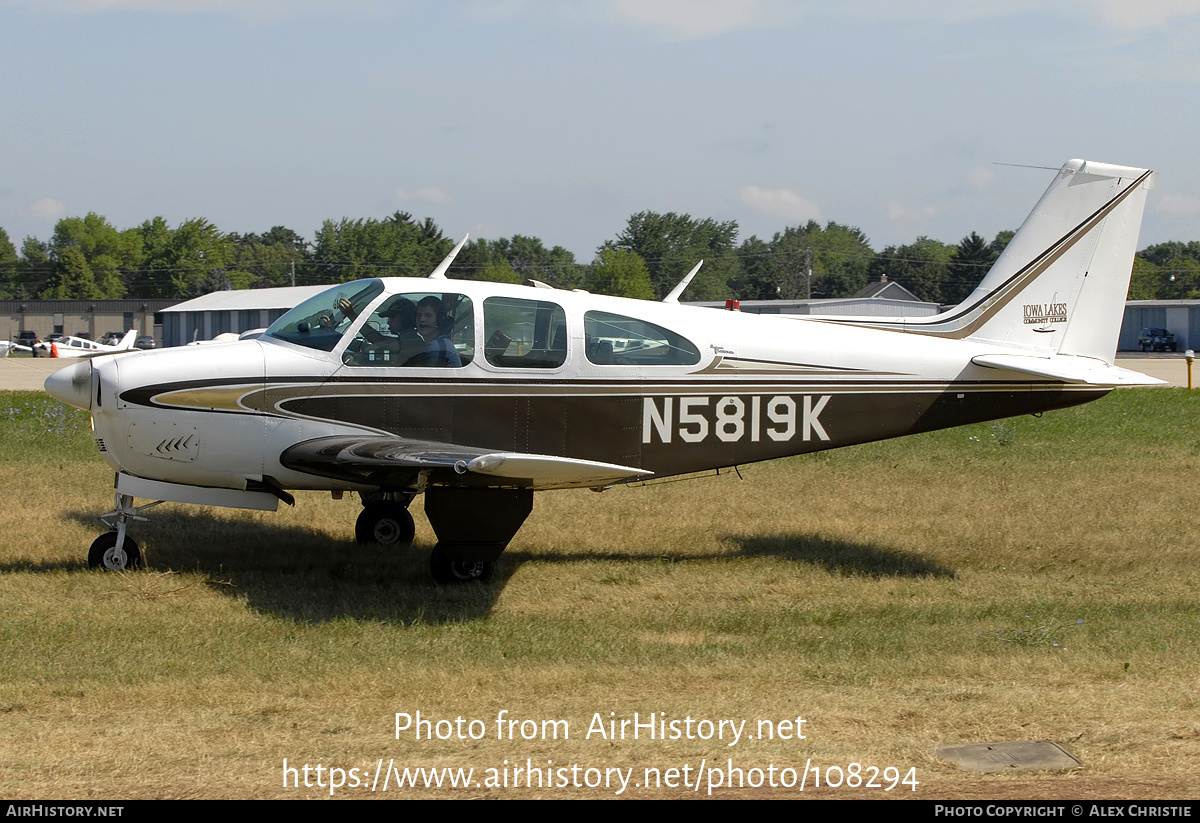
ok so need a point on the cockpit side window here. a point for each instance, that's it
(615, 340)
(524, 334)
(416, 329)
(318, 322)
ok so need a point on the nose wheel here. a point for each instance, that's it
(106, 554)
(115, 550)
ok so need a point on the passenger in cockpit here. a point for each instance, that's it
(432, 324)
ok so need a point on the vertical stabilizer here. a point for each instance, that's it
(1060, 285)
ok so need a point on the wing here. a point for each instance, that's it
(397, 462)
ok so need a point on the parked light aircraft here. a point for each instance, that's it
(478, 394)
(75, 347)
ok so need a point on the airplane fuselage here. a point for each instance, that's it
(761, 387)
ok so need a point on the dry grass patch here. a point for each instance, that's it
(1030, 580)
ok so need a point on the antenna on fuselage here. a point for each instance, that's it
(440, 272)
(673, 297)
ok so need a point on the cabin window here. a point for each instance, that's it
(431, 329)
(524, 334)
(318, 323)
(615, 340)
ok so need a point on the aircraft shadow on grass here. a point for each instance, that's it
(843, 556)
(304, 575)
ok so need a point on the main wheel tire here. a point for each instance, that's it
(385, 524)
(446, 571)
(104, 555)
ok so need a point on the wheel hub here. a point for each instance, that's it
(115, 559)
(387, 531)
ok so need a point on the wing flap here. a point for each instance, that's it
(397, 462)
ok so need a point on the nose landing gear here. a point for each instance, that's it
(115, 550)
(106, 554)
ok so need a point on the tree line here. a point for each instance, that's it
(88, 258)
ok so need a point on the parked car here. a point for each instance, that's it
(1157, 340)
(144, 342)
(30, 339)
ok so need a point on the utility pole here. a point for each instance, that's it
(808, 270)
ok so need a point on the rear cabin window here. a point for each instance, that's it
(524, 334)
(615, 340)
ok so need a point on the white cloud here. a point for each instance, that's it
(1132, 16)
(781, 204)
(495, 11)
(429, 194)
(484, 230)
(898, 213)
(1177, 206)
(981, 178)
(48, 210)
(690, 19)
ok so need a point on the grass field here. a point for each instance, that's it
(1029, 579)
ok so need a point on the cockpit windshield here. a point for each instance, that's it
(319, 322)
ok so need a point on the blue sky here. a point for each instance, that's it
(560, 120)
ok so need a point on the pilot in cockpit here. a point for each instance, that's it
(395, 349)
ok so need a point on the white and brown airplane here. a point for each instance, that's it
(477, 394)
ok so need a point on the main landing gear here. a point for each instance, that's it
(385, 520)
(473, 527)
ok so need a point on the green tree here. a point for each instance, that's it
(518, 259)
(922, 267)
(112, 256)
(1001, 241)
(498, 270)
(34, 269)
(970, 261)
(621, 273)
(839, 257)
(72, 278)
(396, 246)
(671, 244)
(198, 255)
(756, 280)
(153, 278)
(9, 270)
(268, 260)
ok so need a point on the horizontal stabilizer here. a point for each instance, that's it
(1082, 370)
